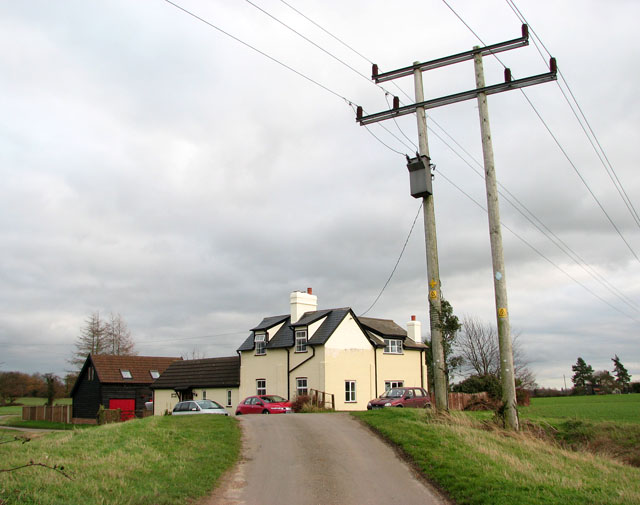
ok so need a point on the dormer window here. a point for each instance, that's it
(392, 346)
(126, 374)
(260, 340)
(154, 374)
(301, 340)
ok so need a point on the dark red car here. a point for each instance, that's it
(401, 397)
(264, 404)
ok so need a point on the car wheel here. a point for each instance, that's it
(399, 406)
(265, 411)
(238, 413)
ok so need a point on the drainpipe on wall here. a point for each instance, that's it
(288, 374)
(375, 368)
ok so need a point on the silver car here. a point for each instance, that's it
(199, 407)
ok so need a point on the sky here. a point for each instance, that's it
(188, 179)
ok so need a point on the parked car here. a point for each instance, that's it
(199, 407)
(401, 397)
(264, 404)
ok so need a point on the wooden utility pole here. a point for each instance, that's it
(507, 375)
(433, 269)
(480, 92)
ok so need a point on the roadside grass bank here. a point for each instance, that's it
(153, 461)
(30, 401)
(477, 464)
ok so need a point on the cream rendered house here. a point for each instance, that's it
(332, 351)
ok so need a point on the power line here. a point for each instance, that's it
(288, 67)
(396, 265)
(582, 120)
(553, 136)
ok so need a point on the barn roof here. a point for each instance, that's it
(109, 368)
(205, 373)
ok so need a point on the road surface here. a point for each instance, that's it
(318, 459)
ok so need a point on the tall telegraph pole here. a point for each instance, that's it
(481, 92)
(507, 375)
(433, 270)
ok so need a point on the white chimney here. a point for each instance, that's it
(414, 330)
(301, 303)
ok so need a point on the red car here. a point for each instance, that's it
(264, 404)
(401, 397)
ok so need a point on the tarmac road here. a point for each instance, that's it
(318, 459)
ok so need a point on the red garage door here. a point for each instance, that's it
(127, 407)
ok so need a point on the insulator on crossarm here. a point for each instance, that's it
(396, 102)
(507, 75)
(374, 71)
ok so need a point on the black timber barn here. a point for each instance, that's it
(115, 382)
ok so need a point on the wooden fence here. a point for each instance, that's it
(322, 399)
(460, 401)
(56, 414)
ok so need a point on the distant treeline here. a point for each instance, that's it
(17, 384)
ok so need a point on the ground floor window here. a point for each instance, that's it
(204, 394)
(228, 398)
(349, 391)
(261, 386)
(393, 384)
(301, 386)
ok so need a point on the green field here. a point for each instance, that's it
(617, 408)
(17, 409)
(153, 461)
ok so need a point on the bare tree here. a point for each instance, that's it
(477, 343)
(102, 337)
(92, 340)
(478, 346)
(118, 337)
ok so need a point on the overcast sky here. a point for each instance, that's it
(153, 166)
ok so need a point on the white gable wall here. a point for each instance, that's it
(349, 356)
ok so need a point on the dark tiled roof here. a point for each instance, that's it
(209, 372)
(383, 327)
(108, 368)
(328, 326)
(311, 317)
(269, 322)
(379, 329)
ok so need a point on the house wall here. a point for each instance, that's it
(140, 392)
(348, 355)
(272, 367)
(313, 370)
(408, 367)
(165, 399)
(86, 398)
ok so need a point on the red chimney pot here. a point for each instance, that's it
(309, 291)
(413, 318)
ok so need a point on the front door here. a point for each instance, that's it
(127, 407)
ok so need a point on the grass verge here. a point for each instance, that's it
(476, 466)
(157, 460)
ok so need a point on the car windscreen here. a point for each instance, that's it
(209, 404)
(272, 399)
(393, 393)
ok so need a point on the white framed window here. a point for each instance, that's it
(392, 346)
(261, 386)
(349, 391)
(393, 384)
(126, 374)
(90, 373)
(228, 398)
(301, 341)
(260, 341)
(301, 386)
(154, 374)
